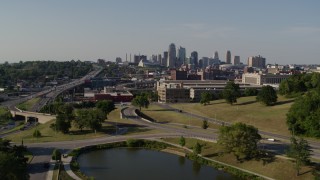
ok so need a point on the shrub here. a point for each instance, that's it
(36, 133)
(56, 155)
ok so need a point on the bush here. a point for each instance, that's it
(56, 155)
(36, 133)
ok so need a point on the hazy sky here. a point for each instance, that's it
(283, 31)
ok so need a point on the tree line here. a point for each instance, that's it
(267, 95)
(39, 72)
(89, 117)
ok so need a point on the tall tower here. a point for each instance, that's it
(194, 58)
(164, 59)
(228, 57)
(181, 56)
(216, 56)
(172, 54)
(236, 60)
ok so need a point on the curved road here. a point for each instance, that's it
(42, 151)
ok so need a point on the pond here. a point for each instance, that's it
(128, 163)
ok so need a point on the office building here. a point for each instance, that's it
(194, 58)
(236, 60)
(257, 62)
(172, 55)
(216, 56)
(228, 57)
(181, 56)
(164, 59)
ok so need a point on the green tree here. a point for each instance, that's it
(304, 114)
(250, 92)
(140, 101)
(82, 118)
(56, 155)
(267, 95)
(64, 118)
(182, 141)
(205, 124)
(36, 133)
(231, 92)
(240, 139)
(13, 164)
(106, 106)
(197, 148)
(206, 97)
(300, 151)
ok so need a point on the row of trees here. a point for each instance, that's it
(91, 118)
(299, 83)
(231, 93)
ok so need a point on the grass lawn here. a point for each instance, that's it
(26, 106)
(162, 115)
(277, 168)
(247, 110)
(49, 134)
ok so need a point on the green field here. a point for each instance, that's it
(247, 110)
(276, 168)
(26, 106)
(162, 115)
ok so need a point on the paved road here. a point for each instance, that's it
(42, 151)
(278, 147)
(314, 144)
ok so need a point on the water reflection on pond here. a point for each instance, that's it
(123, 163)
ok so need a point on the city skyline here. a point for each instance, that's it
(286, 32)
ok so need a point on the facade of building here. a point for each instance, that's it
(236, 60)
(116, 97)
(263, 79)
(164, 59)
(172, 55)
(216, 55)
(181, 56)
(257, 61)
(179, 75)
(173, 93)
(228, 57)
(138, 58)
(194, 58)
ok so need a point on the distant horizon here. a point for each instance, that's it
(284, 32)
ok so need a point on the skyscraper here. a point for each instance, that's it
(165, 59)
(181, 56)
(228, 57)
(172, 54)
(216, 56)
(236, 60)
(194, 58)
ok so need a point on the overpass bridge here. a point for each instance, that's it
(33, 116)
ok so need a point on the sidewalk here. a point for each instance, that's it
(66, 163)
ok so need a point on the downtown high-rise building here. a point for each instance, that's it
(257, 61)
(228, 57)
(181, 56)
(216, 55)
(165, 59)
(194, 58)
(172, 55)
(236, 60)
